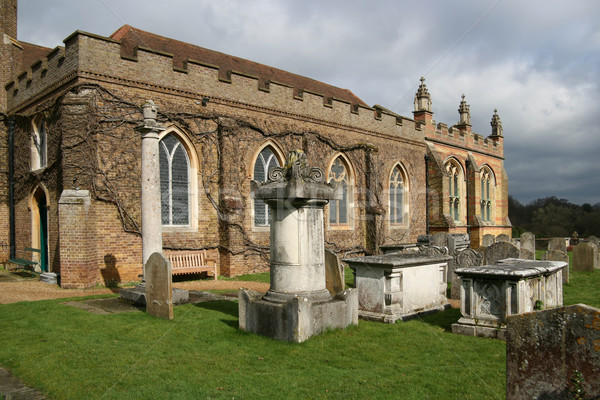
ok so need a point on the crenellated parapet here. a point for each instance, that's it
(92, 58)
(459, 135)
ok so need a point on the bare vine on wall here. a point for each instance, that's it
(94, 145)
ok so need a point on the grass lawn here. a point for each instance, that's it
(69, 353)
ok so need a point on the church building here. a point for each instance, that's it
(70, 156)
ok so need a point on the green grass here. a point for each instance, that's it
(69, 353)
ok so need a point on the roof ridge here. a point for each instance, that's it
(268, 71)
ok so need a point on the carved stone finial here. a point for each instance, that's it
(149, 111)
(422, 97)
(295, 180)
(296, 167)
(496, 124)
(464, 110)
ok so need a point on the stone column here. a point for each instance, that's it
(151, 201)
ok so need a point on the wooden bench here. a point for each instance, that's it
(26, 260)
(191, 262)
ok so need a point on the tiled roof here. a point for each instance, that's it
(32, 53)
(131, 38)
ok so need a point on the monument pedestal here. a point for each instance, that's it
(298, 318)
(298, 304)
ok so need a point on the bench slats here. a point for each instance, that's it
(191, 262)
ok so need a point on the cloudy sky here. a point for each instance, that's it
(537, 62)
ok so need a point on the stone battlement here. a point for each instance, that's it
(91, 57)
(461, 137)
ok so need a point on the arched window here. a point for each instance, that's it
(265, 162)
(454, 189)
(39, 155)
(174, 182)
(398, 196)
(486, 194)
(339, 210)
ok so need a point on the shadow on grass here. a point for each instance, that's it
(443, 319)
(224, 306)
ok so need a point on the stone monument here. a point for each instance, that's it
(500, 251)
(491, 293)
(400, 286)
(527, 246)
(585, 257)
(544, 349)
(557, 255)
(159, 293)
(297, 304)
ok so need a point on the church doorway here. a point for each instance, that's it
(39, 226)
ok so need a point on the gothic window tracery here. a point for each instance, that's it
(174, 182)
(339, 210)
(39, 138)
(264, 163)
(398, 196)
(486, 195)
(454, 186)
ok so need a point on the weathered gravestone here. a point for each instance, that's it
(545, 348)
(334, 274)
(527, 246)
(488, 240)
(439, 239)
(159, 296)
(558, 244)
(458, 242)
(465, 259)
(556, 255)
(585, 257)
(502, 238)
(499, 251)
(594, 239)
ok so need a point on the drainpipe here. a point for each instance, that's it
(11, 189)
(427, 194)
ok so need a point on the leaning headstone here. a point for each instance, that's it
(439, 239)
(159, 297)
(527, 246)
(488, 240)
(585, 257)
(334, 274)
(559, 244)
(499, 251)
(502, 238)
(594, 239)
(465, 259)
(541, 363)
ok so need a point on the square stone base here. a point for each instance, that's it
(137, 295)
(297, 319)
(479, 330)
(394, 315)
